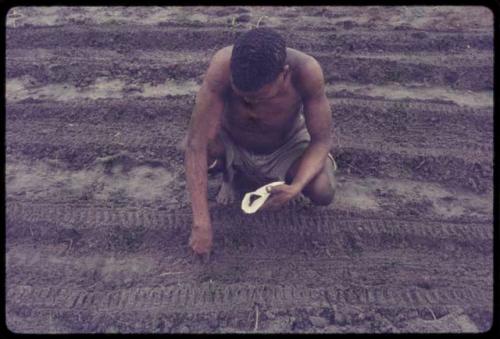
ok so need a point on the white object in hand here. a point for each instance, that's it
(262, 195)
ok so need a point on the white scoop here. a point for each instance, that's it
(261, 196)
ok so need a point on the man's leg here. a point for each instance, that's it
(216, 162)
(216, 159)
(321, 189)
(215, 154)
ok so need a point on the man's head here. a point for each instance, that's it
(257, 60)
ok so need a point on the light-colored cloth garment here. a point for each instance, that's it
(265, 168)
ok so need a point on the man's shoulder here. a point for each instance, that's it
(306, 70)
(223, 55)
(298, 59)
(217, 75)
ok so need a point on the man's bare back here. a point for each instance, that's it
(256, 104)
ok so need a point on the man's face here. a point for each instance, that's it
(264, 93)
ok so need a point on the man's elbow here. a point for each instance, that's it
(329, 141)
(324, 142)
(194, 145)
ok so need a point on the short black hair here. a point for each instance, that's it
(258, 57)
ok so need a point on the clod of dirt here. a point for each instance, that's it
(213, 323)
(243, 18)
(68, 234)
(123, 158)
(329, 314)
(125, 239)
(183, 329)
(318, 321)
(21, 311)
(340, 319)
(302, 321)
(419, 35)
(348, 24)
(482, 319)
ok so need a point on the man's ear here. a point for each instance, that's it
(286, 71)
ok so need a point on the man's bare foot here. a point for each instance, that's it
(227, 193)
(215, 166)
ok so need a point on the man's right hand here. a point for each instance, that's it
(201, 239)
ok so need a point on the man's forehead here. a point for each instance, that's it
(260, 91)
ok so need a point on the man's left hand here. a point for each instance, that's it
(280, 195)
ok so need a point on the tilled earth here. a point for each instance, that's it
(98, 219)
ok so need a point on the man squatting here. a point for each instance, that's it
(261, 114)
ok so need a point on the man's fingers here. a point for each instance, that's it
(200, 250)
(197, 249)
(269, 203)
(271, 206)
(274, 189)
(201, 258)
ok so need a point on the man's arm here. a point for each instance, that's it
(203, 126)
(318, 118)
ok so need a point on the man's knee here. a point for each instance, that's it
(321, 190)
(323, 196)
(215, 148)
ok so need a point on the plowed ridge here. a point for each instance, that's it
(91, 217)
(203, 298)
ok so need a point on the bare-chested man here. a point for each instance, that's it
(261, 113)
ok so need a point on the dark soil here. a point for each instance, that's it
(97, 215)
